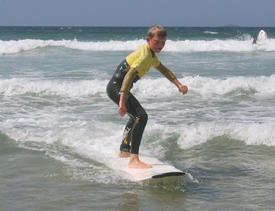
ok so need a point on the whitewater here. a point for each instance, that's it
(16, 46)
(60, 133)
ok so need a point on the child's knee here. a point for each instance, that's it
(143, 118)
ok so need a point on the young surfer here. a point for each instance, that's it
(128, 72)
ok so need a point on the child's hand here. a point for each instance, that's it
(122, 110)
(121, 107)
(183, 89)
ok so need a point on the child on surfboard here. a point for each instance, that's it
(128, 72)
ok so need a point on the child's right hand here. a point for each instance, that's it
(121, 107)
(122, 110)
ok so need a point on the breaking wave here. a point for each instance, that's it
(160, 87)
(16, 46)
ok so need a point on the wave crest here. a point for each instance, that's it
(250, 133)
(16, 46)
(160, 87)
(73, 89)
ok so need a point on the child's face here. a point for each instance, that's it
(156, 43)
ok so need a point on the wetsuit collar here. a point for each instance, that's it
(152, 52)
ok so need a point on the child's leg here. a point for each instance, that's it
(127, 135)
(138, 122)
(134, 109)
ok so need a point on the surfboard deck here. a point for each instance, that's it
(159, 169)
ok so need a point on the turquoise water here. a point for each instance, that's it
(59, 132)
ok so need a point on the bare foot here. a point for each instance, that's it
(123, 154)
(134, 162)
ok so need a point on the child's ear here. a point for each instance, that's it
(147, 38)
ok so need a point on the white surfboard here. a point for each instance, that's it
(159, 169)
(261, 36)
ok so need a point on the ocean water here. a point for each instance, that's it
(59, 132)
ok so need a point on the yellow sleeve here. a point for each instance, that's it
(166, 72)
(128, 80)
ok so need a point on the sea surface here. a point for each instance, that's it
(59, 132)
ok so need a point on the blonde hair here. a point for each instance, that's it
(156, 29)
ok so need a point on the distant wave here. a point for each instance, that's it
(210, 32)
(205, 86)
(16, 46)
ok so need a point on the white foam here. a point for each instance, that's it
(205, 86)
(218, 45)
(262, 85)
(100, 141)
(190, 135)
(16, 46)
(45, 131)
(146, 87)
(17, 86)
(160, 87)
(250, 133)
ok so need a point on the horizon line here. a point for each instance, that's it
(145, 26)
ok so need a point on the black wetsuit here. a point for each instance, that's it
(138, 117)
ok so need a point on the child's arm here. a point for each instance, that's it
(166, 72)
(171, 77)
(126, 84)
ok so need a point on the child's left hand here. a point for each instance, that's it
(183, 89)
